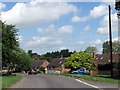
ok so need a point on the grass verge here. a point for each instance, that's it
(93, 78)
(8, 81)
(0, 82)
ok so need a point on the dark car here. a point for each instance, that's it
(79, 71)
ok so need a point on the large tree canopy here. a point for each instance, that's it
(24, 62)
(91, 49)
(11, 53)
(79, 60)
(115, 47)
(9, 43)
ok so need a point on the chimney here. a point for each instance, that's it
(94, 55)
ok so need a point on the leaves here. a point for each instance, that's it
(115, 47)
(11, 53)
(79, 60)
(91, 49)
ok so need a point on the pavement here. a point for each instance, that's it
(54, 81)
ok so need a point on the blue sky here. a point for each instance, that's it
(51, 26)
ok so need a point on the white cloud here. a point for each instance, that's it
(103, 29)
(99, 11)
(96, 42)
(61, 48)
(19, 38)
(2, 6)
(96, 12)
(79, 19)
(81, 42)
(86, 28)
(36, 12)
(47, 31)
(66, 29)
(44, 42)
(114, 39)
(50, 37)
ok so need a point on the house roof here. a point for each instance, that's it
(103, 58)
(57, 62)
(37, 63)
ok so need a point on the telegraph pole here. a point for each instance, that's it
(110, 42)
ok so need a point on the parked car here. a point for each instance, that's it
(79, 71)
(32, 71)
(6, 71)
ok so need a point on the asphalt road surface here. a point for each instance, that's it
(49, 81)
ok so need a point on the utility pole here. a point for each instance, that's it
(110, 42)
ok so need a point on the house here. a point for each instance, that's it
(40, 63)
(104, 58)
(56, 65)
(101, 61)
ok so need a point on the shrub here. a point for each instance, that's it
(42, 70)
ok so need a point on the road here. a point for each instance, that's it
(49, 81)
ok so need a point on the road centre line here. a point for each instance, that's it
(87, 84)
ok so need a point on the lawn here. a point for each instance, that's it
(93, 78)
(0, 82)
(7, 81)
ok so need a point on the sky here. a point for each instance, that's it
(51, 26)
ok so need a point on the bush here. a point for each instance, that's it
(104, 66)
(41, 70)
(107, 66)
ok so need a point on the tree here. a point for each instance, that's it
(24, 62)
(65, 52)
(91, 49)
(12, 55)
(9, 43)
(79, 60)
(106, 47)
(115, 47)
(30, 53)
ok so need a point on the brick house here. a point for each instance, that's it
(40, 63)
(56, 65)
(104, 59)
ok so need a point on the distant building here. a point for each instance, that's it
(102, 63)
(56, 65)
(39, 63)
(104, 58)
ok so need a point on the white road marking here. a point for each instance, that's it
(87, 84)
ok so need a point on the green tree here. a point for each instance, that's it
(106, 47)
(24, 62)
(91, 49)
(30, 53)
(115, 47)
(79, 60)
(65, 52)
(12, 55)
(9, 43)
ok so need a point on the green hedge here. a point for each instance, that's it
(107, 66)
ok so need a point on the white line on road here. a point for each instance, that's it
(86, 83)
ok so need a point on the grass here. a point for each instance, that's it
(8, 81)
(98, 78)
(0, 82)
